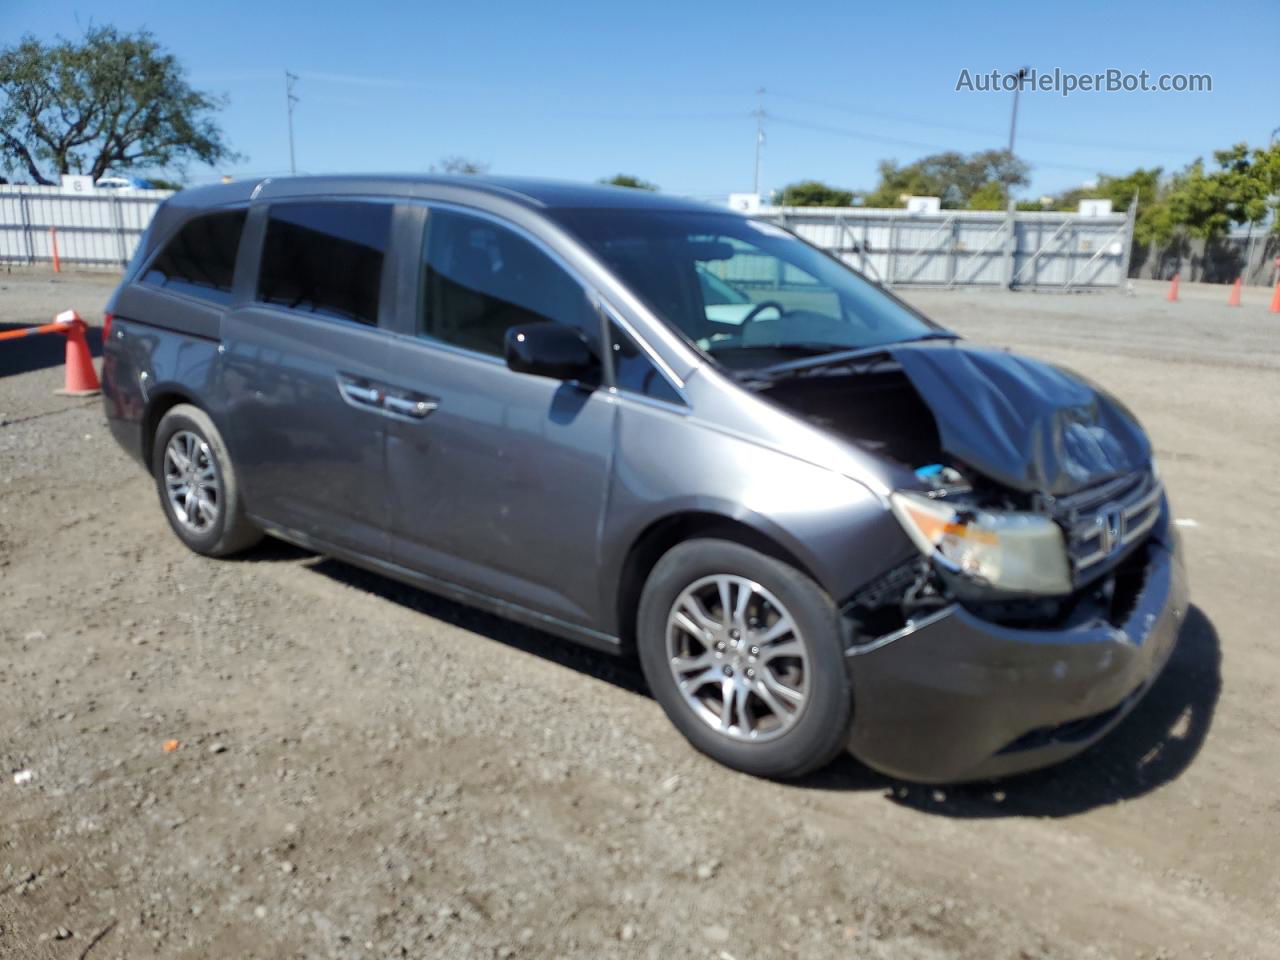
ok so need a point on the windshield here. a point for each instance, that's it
(746, 292)
(716, 292)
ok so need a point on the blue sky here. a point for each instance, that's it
(664, 90)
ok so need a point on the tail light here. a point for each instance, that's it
(106, 326)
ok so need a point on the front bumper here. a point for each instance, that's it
(953, 697)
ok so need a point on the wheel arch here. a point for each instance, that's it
(648, 547)
(159, 403)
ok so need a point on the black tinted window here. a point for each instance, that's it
(480, 279)
(200, 260)
(635, 372)
(326, 258)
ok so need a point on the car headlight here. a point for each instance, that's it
(1008, 551)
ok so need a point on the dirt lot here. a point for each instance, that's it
(368, 771)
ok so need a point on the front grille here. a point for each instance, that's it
(1104, 523)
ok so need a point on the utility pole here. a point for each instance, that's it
(289, 100)
(760, 116)
(1013, 120)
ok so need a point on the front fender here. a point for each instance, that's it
(837, 528)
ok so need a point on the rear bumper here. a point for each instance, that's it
(954, 698)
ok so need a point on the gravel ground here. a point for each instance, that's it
(364, 770)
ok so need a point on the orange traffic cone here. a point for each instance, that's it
(1173, 288)
(1233, 298)
(82, 379)
(1275, 300)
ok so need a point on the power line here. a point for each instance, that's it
(896, 142)
(977, 131)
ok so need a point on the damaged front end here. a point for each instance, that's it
(1047, 587)
(1024, 486)
(1025, 561)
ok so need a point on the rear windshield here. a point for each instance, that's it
(746, 292)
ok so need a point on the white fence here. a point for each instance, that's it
(98, 229)
(946, 249)
(971, 247)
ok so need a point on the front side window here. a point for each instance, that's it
(479, 279)
(748, 293)
(200, 259)
(325, 257)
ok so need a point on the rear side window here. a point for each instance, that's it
(326, 258)
(200, 260)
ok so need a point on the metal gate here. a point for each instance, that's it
(91, 230)
(956, 248)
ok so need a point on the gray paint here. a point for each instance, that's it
(941, 702)
(516, 493)
(517, 487)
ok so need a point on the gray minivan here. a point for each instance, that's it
(820, 520)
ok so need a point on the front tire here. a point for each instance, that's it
(744, 654)
(197, 483)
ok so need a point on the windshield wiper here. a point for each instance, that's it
(932, 335)
(790, 368)
(809, 349)
(820, 355)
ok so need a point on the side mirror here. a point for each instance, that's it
(552, 350)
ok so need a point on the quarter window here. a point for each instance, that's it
(200, 260)
(634, 372)
(479, 279)
(326, 258)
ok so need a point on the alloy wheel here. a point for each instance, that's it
(191, 482)
(737, 657)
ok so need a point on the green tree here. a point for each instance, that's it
(814, 193)
(955, 177)
(1250, 181)
(1199, 202)
(164, 183)
(112, 102)
(1155, 223)
(462, 166)
(627, 180)
(990, 196)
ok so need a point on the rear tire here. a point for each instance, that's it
(197, 483)
(776, 655)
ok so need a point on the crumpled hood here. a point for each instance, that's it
(1022, 422)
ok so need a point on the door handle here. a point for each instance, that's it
(359, 393)
(380, 397)
(413, 406)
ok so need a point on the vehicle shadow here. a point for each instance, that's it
(622, 672)
(38, 352)
(1151, 747)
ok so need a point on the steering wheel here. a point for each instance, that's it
(759, 308)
